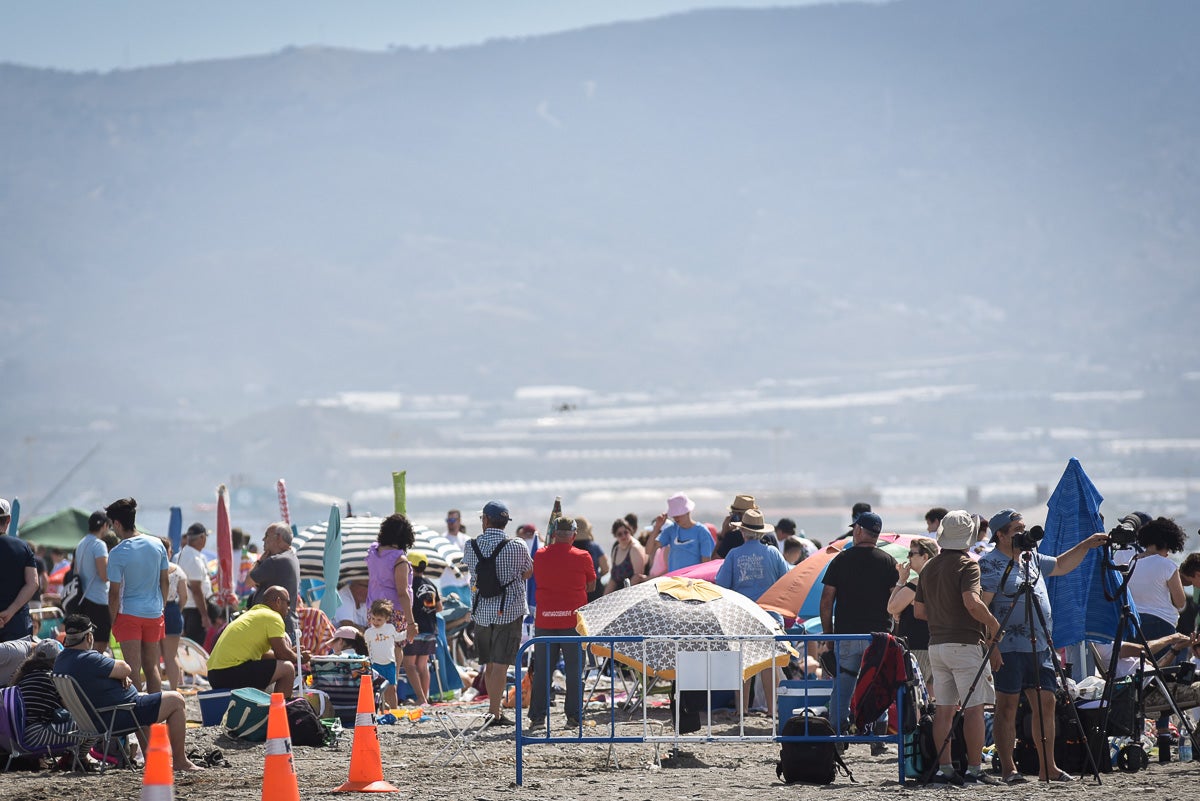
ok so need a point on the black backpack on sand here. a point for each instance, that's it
(810, 763)
(304, 725)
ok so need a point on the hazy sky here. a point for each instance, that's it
(115, 34)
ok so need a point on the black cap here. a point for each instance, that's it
(96, 521)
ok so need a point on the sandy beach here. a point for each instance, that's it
(569, 772)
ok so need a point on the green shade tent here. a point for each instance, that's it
(62, 529)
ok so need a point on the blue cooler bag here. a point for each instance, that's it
(246, 718)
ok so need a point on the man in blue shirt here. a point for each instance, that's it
(106, 681)
(137, 590)
(686, 542)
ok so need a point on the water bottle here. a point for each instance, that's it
(1185, 748)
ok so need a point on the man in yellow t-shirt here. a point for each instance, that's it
(253, 651)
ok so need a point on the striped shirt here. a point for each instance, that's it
(511, 564)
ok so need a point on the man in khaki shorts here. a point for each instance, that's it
(960, 626)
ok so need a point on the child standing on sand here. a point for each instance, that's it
(384, 643)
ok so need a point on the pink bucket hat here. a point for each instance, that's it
(679, 505)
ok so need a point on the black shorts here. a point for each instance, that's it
(98, 614)
(258, 675)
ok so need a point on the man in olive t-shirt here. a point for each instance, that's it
(948, 596)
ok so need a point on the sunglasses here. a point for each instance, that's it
(451, 519)
(911, 554)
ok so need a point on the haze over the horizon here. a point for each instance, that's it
(127, 34)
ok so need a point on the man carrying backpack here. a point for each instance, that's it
(499, 566)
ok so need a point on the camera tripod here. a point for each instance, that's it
(1128, 622)
(1024, 591)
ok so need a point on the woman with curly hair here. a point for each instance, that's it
(1155, 585)
(390, 574)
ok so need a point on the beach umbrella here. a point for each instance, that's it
(706, 571)
(674, 606)
(332, 563)
(175, 529)
(798, 593)
(14, 524)
(357, 535)
(1073, 515)
(225, 574)
(281, 490)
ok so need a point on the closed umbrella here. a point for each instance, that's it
(225, 575)
(14, 524)
(1078, 598)
(357, 535)
(332, 562)
(671, 606)
(175, 529)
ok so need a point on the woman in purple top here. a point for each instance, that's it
(388, 570)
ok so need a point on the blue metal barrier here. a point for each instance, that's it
(808, 690)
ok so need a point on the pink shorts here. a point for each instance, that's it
(127, 628)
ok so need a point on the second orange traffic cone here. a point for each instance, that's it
(366, 764)
(158, 779)
(279, 770)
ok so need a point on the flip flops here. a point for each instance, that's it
(1062, 776)
(212, 759)
(1015, 778)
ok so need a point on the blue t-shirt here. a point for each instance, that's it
(89, 549)
(751, 569)
(1016, 631)
(137, 563)
(92, 670)
(689, 546)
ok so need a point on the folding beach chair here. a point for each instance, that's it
(92, 721)
(12, 733)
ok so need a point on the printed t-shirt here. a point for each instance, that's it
(688, 546)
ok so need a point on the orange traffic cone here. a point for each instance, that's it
(366, 765)
(158, 779)
(279, 771)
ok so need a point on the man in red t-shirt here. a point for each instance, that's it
(564, 575)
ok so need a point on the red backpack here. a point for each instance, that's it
(882, 673)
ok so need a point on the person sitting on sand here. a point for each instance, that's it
(107, 682)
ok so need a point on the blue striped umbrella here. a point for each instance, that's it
(332, 562)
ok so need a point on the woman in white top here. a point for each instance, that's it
(1155, 586)
(173, 618)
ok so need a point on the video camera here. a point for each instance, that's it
(1124, 534)
(1028, 540)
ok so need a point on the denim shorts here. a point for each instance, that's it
(1022, 671)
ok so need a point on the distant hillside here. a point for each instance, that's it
(699, 200)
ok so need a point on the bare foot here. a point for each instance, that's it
(188, 765)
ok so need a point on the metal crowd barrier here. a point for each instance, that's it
(810, 693)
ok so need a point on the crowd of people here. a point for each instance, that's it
(946, 601)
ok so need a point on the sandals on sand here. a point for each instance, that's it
(1015, 778)
(1062, 776)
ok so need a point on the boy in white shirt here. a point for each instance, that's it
(384, 644)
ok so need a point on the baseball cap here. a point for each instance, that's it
(565, 524)
(5, 508)
(870, 521)
(417, 559)
(496, 510)
(1002, 519)
(343, 633)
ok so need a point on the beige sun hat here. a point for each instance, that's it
(957, 531)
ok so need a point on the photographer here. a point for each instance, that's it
(1025, 660)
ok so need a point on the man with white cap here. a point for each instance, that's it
(18, 581)
(686, 542)
(950, 598)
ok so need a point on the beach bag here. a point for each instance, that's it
(246, 718)
(72, 592)
(809, 763)
(304, 725)
(921, 749)
(487, 582)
